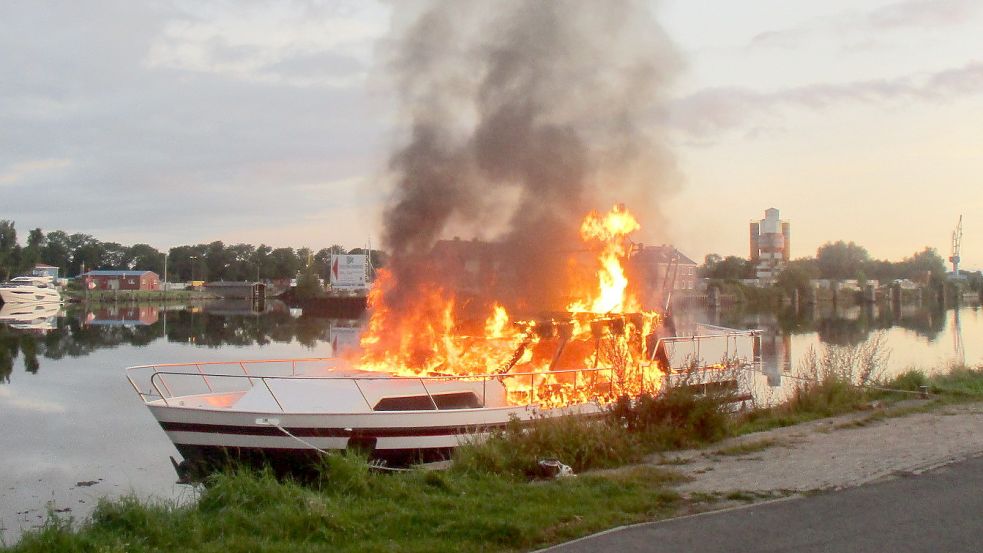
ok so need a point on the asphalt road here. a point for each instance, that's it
(936, 511)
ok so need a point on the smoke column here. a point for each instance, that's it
(520, 117)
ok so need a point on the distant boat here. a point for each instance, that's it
(29, 289)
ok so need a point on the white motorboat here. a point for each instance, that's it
(287, 411)
(29, 289)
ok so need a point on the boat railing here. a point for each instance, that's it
(711, 345)
(162, 383)
(679, 357)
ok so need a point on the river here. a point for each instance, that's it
(73, 431)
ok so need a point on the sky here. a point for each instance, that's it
(179, 122)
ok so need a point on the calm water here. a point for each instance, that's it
(72, 429)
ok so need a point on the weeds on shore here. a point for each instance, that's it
(350, 508)
(625, 433)
(841, 379)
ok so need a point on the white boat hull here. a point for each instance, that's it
(283, 411)
(29, 294)
(397, 436)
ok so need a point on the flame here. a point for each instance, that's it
(611, 231)
(597, 353)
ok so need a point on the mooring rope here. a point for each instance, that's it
(372, 465)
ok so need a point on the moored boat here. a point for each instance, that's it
(287, 412)
(29, 289)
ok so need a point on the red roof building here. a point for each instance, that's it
(121, 280)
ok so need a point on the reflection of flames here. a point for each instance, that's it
(597, 352)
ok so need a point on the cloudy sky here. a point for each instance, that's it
(176, 122)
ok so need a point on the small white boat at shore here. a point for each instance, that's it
(29, 289)
(286, 411)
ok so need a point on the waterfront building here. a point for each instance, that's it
(121, 280)
(42, 270)
(770, 241)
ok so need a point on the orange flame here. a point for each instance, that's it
(612, 231)
(600, 352)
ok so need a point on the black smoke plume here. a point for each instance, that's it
(522, 116)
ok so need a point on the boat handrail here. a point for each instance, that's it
(201, 369)
(157, 380)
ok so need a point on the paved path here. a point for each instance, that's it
(940, 510)
(837, 453)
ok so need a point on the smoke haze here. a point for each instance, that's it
(520, 117)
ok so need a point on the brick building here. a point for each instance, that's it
(121, 280)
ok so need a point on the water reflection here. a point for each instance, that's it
(33, 335)
(925, 337)
(837, 325)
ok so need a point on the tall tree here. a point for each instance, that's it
(144, 257)
(86, 251)
(286, 264)
(35, 243)
(8, 245)
(710, 263)
(263, 261)
(924, 265)
(57, 251)
(731, 268)
(241, 265)
(217, 260)
(841, 260)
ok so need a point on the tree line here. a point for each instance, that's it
(76, 253)
(838, 261)
(72, 337)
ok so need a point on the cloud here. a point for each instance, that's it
(714, 110)
(908, 14)
(257, 42)
(923, 14)
(24, 169)
(176, 136)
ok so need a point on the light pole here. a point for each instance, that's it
(165, 272)
(193, 259)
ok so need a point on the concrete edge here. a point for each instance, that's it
(794, 496)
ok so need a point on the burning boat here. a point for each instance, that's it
(285, 411)
(426, 380)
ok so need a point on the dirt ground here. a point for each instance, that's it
(832, 453)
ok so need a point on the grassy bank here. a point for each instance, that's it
(496, 496)
(142, 296)
(352, 509)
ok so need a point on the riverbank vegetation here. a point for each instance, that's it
(72, 253)
(137, 296)
(496, 496)
(834, 262)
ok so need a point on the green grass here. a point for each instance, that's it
(747, 447)
(352, 509)
(959, 383)
(109, 296)
(810, 401)
(833, 396)
(494, 497)
(629, 431)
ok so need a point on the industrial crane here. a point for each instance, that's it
(957, 238)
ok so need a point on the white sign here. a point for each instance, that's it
(348, 271)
